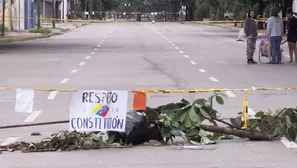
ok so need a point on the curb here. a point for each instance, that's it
(10, 40)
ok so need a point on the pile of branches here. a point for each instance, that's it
(186, 119)
(183, 119)
(65, 141)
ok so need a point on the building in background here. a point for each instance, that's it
(61, 8)
(19, 14)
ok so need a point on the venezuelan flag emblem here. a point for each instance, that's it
(101, 110)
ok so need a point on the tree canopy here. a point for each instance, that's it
(196, 9)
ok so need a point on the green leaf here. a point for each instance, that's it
(166, 122)
(185, 101)
(182, 117)
(204, 111)
(187, 121)
(277, 131)
(206, 141)
(176, 132)
(194, 117)
(169, 108)
(288, 121)
(175, 124)
(182, 127)
(219, 100)
(165, 131)
(292, 134)
(194, 142)
(200, 102)
(151, 114)
(192, 132)
(259, 114)
(236, 121)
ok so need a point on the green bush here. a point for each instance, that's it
(44, 31)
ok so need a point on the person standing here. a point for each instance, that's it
(274, 32)
(250, 30)
(292, 34)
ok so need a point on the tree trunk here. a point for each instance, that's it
(252, 135)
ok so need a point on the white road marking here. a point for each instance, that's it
(52, 95)
(202, 70)
(74, 71)
(95, 49)
(9, 140)
(87, 57)
(101, 42)
(186, 56)
(193, 62)
(287, 143)
(33, 116)
(65, 80)
(213, 79)
(230, 94)
(92, 52)
(81, 63)
(173, 44)
(181, 52)
(98, 45)
(176, 48)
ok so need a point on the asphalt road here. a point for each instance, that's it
(133, 56)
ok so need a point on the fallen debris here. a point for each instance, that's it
(158, 126)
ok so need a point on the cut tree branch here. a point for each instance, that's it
(252, 135)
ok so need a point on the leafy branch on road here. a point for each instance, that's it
(186, 119)
(183, 119)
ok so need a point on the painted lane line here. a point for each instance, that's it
(52, 95)
(32, 116)
(287, 143)
(173, 44)
(92, 52)
(65, 80)
(230, 94)
(10, 140)
(87, 57)
(202, 70)
(74, 71)
(95, 49)
(193, 62)
(213, 79)
(98, 45)
(176, 48)
(81, 63)
(181, 52)
(101, 42)
(186, 56)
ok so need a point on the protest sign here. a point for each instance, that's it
(98, 110)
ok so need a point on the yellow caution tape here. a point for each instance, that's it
(121, 21)
(165, 91)
(244, 115)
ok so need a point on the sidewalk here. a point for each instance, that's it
(25, 35)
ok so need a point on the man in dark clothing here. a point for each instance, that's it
(250, 30)
(292, 34)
